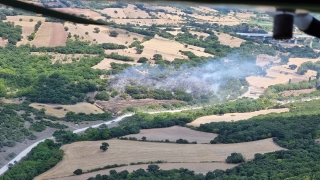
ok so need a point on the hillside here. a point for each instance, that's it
(171, 80)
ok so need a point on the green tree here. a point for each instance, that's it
(143, 60)
(113, 33)
(143, 138)
(153, 168)
(77, 172)
(66, 28)
(235, 158)
(96, 29)
(103, 148)
(157, 57)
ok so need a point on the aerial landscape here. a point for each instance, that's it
(161, 91)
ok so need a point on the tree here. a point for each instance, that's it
(139, 50)
(77, 172)
(157, 57)
(96, 29)
(292, 66)
(113, 33)
(153, 168)
(103, 148)
(31, 20)
(235, 158)
(143, 138)
(143, 60)
(66, 28)
(20, 19)
(86, 33)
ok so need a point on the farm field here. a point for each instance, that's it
(117, 106)
(132, 13)
(27, 26)
(233, 116)
(173, 133)
(196, 167)
(228, 40)
(280, 74)
(297, 92)
(87, 155)
(264, 59)
(114, 12)
(43, 36)
(169, 49)
(77, 108)
(148, 22)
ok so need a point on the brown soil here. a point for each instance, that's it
(297, 92)
(233, 116)
(77, 108)
(87, 155)
(119, 105)
(59, 35)
(173, 133)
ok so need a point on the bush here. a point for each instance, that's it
(104, 96)
(143, 60)
(77, 172)
(113, 33)
(235, 158)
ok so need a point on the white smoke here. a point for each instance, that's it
(201, 80)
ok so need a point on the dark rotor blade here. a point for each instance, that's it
(48, 12)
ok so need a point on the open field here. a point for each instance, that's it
(105, 63)
(114, 12)
(228, 40)
(264, 59)
(280, 74)
(233, 116)
(297, 92)
(154, 7)
(63, 58)
(87, 155)
(27, 26)
(88, 13)
(299, 61)
(173, 133)
(59, 35)
(43, 36)
(132, 13)
(119, 105)
(148, 22)
(196, 167)
(169, 49)
(51, 109)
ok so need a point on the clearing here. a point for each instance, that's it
(297, 92)
(196, 167)
(114, 12)
(132, 11)
(173, 133)
(228, 40)
(105, 63)
(169, 49)
(87, 154)
(280, 74)
(233, 116)
(61, 110)
(119, 105)
(63, 58)
(264, 59)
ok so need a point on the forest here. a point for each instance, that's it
(41, 158)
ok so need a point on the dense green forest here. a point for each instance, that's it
(41, 158)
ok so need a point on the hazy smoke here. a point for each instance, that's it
(196, 80)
